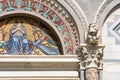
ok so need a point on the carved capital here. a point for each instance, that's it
(90, 56)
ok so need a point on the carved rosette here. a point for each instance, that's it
(92, 74)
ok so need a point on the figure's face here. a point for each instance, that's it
(18, 21)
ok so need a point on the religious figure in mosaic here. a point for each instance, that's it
(40, 8)
(24, 37)
(18, 38)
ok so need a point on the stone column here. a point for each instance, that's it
(91, 61)
(91, 74)
(90, 55)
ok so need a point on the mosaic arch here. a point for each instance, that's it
(26, 36)
(67, 35)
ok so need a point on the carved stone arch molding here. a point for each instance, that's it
(104, 10)
(64, 16)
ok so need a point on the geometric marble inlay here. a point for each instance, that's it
(114, 31)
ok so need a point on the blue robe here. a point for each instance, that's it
(45, 49)
(15, 42)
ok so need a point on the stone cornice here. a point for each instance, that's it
(36, 58)
(39, 63)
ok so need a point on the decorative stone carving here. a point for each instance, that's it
(66, 15)
(101, 9)
(39, 66)
(39, 63)
(92, 74)
(92, 37)
(90, 56)
(80, 13)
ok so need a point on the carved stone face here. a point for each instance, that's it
(18, 21)
(93, 29)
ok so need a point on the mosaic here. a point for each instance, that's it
(38, 7)
(23, 36)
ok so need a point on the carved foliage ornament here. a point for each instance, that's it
(90, 56)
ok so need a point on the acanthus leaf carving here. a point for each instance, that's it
(90, 56)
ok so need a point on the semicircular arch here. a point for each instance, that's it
(104, 10)
(70, 27)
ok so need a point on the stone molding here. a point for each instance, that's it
(103, 12)
(101, 9)
(39, 75)
(39, 63)
(79, 12)
(81, 15)
(39, 67)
